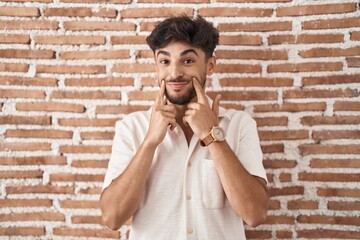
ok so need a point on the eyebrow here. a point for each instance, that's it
(181, 54)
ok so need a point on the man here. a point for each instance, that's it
(187, 168)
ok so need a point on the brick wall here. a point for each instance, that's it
(70, 68)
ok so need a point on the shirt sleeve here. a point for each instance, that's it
(122, 153)
(249, 150)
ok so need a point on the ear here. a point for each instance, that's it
(210, 65)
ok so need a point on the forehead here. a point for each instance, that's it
(178, 49)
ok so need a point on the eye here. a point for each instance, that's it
(164, 61)
(188, 61)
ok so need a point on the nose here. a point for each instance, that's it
(175, 72)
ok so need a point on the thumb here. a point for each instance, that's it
(216, 105)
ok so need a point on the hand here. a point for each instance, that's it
(162, 116)
(199, 116)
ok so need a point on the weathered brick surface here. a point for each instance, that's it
(69, 69)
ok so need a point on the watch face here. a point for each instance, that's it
(218, 134)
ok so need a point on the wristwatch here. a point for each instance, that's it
(217, 134)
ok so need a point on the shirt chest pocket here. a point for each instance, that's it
(213, 195)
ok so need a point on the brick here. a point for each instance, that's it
(254, 1)
(17, 93)
(329, 177)
(29, 25)
(115, 40)
(120, 109)
(245, 95)
(307, 149)
(15, 38)
(33, 216)
(336, 134)
(20, 174)
(274, 204)
(272, 148)
(87, 219)
(42, 1)
(332, 23)
(344, 206)
(256, 82)
(86, 232)
(343, 93)
(235, 12)
(105, 12)
(233, 106)
(238, 68)
(99, 26)
(19, 11)
(93, 191)
(29, 54)
(236, 40)
(14, 67)
(20, 120)
(88, 122)
(302, 204)
(97, 1)
(86, 95)
(28, 146)
(14, 203)
(252, 54)
(280, 219)
(330, 80)
(39, 189)
(22, 231)
(37, 133)
(271, 121)
(147, 26)
(346, 106)
(255, 27)
(338, 192)
(155, 12)
(28, 81)
(329, 52)
(76, 204)
(61, 69)
(285, 177)
(290, 107)
(315, 9)
(96, 135)
(68, 12)
(334, 220)
(305, 39)
(90, 163)
(50, 107)
(353, 62)
(70, 40)
(327, 234)
(335, 163)
(144, 54)
(101, 149)
(99, 82)
(278, 163)
(68, 177)
(38, 160)
(174, 1)
(322, 120)
(305, 67)
(284, 135)
(133, 68)
(258, 234)
(116, 54)
(285, 191)
(280, 234)
(355, 36)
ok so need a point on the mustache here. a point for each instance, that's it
(178, 80)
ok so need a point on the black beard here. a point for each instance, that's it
(182, 100)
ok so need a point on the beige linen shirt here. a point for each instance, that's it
(184, 197)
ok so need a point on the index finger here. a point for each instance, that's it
(160, 97)
(200, 93)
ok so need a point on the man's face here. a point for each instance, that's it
(177, 63)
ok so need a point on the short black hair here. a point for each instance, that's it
(196, 32)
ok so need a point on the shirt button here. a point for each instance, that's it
(188, 197)
(190, 231)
